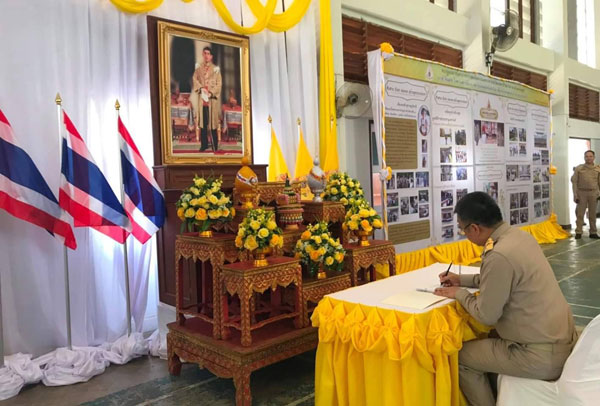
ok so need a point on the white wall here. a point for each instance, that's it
(468, 29)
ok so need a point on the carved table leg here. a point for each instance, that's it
(298, 307)
(241, 380)
(245, 316)
(224, 315)
(216, 299)
(174, 364)
(393, 266)
(179, 290)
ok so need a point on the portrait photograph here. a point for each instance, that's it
(204, 94)
(424, 121)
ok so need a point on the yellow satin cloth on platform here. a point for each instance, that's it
(465, 252)
(373, 356)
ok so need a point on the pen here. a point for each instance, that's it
(448, 270)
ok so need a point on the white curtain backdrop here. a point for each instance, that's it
(93, 54)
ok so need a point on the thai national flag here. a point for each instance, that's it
(85, 193)
(23, 191)
(144, 201)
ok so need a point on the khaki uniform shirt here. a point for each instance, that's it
(586, 178)
(519, 294)
(208, 76)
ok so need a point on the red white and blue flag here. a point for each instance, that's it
(84, 192)
(144, 201)
(23, 191)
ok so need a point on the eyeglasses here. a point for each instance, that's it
(462, 231)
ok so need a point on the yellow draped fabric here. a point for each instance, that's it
(465, 252)
(265, 17)
(277, 166)
(332, 162)
(284, 21)
(373, 356)
(136, 6)
(327, 119)
(259, 25)
(304, 162)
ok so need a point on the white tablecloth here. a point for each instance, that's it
(374, 293)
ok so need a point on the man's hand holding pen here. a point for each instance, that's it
(450, 284)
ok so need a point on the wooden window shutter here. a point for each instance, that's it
(584, 103)
(359, 37)
(532, 79)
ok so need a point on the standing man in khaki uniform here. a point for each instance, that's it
(206, 100)
(519, 296)
(586, 189)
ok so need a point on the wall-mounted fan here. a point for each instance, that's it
(353, 100)
(504, 36)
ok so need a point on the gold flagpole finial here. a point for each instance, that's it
(57, 99)
(299, 121)
(117, 105)
(270, 119)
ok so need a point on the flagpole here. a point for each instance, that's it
(58, 101)
(1, 332)
(125, 259)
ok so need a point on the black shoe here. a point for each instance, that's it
(594, 236)
(578, 236)
(203, 149)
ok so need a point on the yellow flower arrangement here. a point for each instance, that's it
(259, 230)
(203, 203)
(360, 216)
(386, 47)
(342, 188)
(316, 247)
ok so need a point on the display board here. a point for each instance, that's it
(449, 132)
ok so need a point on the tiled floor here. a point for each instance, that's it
(291, 382)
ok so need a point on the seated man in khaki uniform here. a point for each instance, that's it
(586, 189)
(519, 296)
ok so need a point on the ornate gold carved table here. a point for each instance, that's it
(357, 258)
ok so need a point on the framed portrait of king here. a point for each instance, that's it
(203, 92)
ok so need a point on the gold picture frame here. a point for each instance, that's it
(204, 94)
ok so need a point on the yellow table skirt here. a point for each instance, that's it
(373, 356)
(465, 252)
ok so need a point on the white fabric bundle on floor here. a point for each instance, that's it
(125, 349)
(17, 372)
(64, 367)
(158, 345)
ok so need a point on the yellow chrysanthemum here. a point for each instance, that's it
(322, 250)
(214, 214)
(353, 225)
(334, 191)
(225, 212)
(271, 225)
(339, 257)
(344, 201)
(355, 217)
(344, 189)
(298, 244)
(263, 233)
(202, 200)
(213, 199)
(184, 205)
(305, 235)
(364, 213)
(232, 212)
(309, 248)
(377, 223)
(199, 182)
(181, 213)
(255, 225)
(329, 261)
(372, 212)
(365, 224)
(315, 255)
(239, 242)
(351, 184)
(250, 243)
(190, 213)
(194, 202)
(316, 239)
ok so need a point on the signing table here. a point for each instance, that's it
(373, 353)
